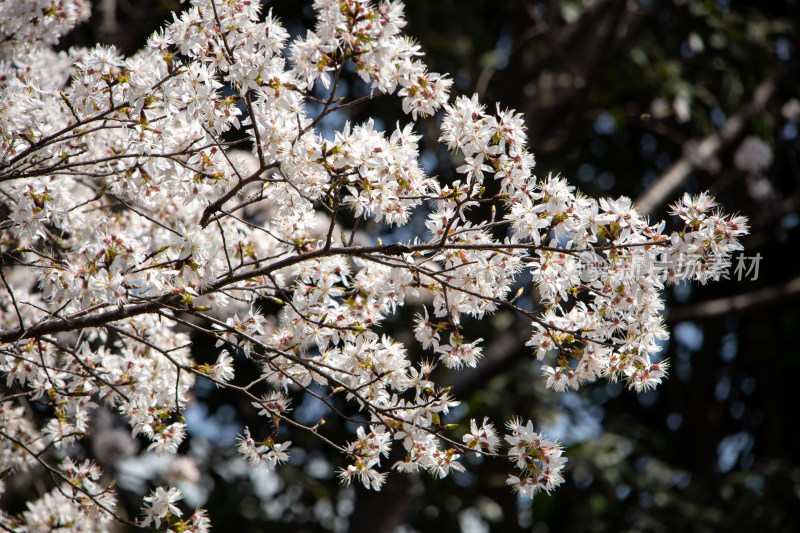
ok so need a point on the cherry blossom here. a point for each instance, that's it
(132, 221)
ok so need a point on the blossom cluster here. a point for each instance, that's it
(130, 218)
(79, 503)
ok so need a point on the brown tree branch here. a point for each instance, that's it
(680, 170)
(740, 303)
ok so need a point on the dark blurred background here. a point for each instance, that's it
(647, 99)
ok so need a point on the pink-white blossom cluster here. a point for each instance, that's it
(132, 220)
(538, 459)
(80, 503)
